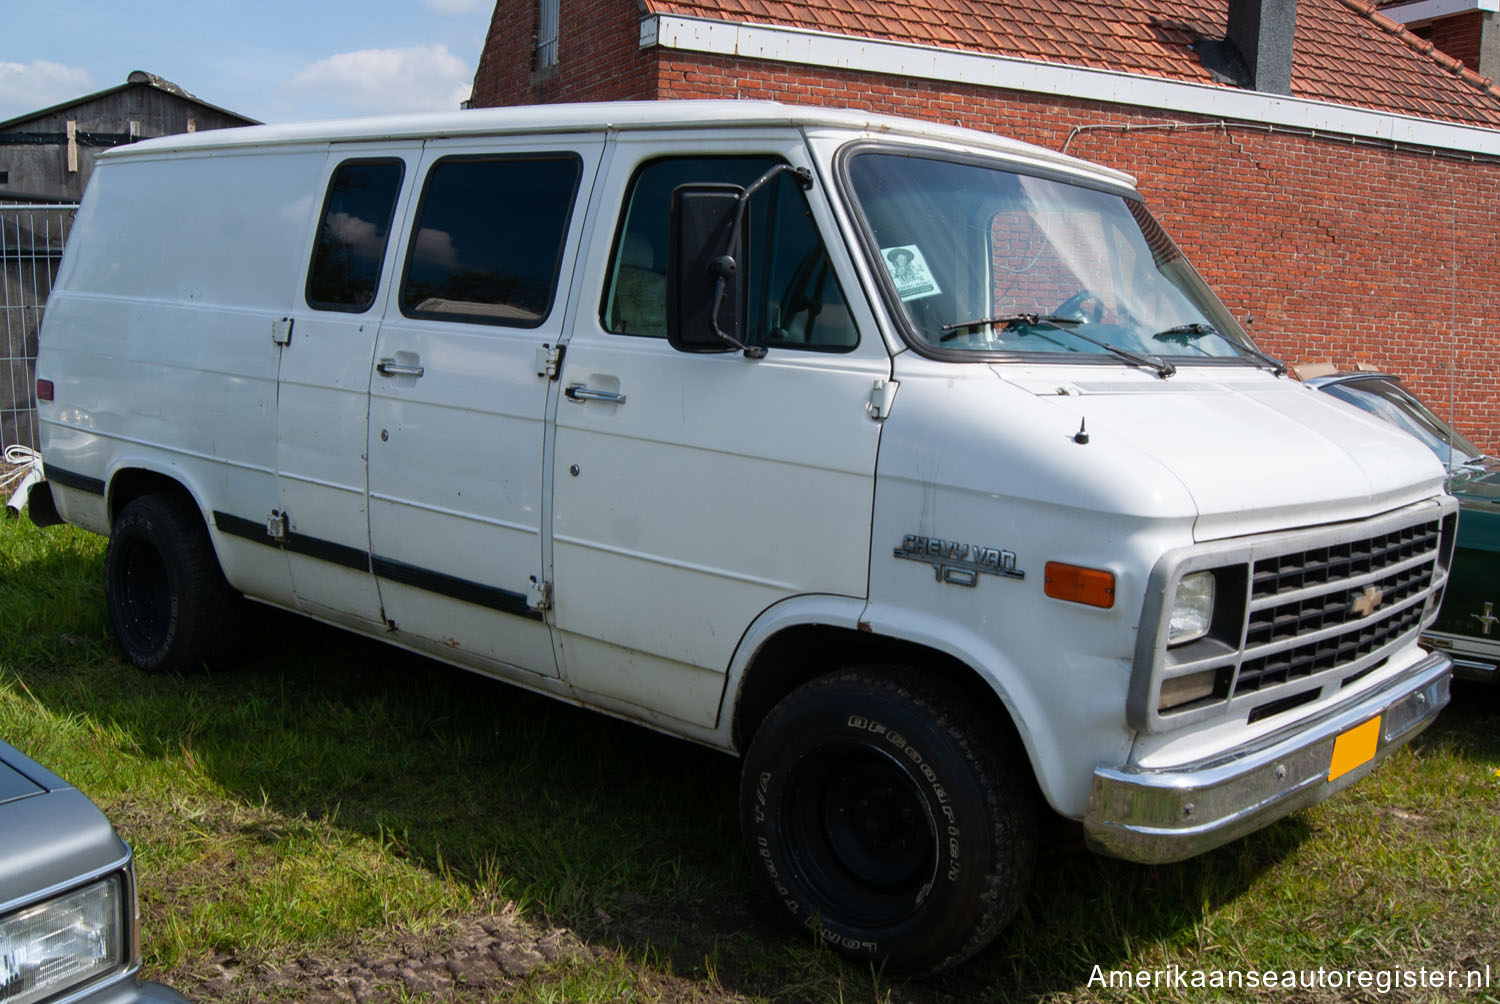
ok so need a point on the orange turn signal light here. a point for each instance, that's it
(1092, 587)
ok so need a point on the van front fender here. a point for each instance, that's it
(1070, 718)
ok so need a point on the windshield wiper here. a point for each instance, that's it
(1185, 333)
(1163, 368)
(1021, 322)
(1009, 322)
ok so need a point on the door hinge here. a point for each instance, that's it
(549, 360)
(540, 595)
(881, 397)
(281, 331)
(276, 526)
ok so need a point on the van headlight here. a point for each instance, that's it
(1192, 608)
(50, 947)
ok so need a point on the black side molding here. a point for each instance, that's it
(297, 543)
(502, 600)
(238, 526)
(69, 479)
(495, 598)
(327, 550)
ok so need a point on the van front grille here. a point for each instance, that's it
(1304, 612)
(1328, 607)
(1314, 657)
(1342, 562)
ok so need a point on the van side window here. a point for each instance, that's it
(489, 239)
(352, 235)
(796, 300)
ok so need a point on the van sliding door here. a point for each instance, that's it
(457, 403)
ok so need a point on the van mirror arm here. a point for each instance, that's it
(725, 266)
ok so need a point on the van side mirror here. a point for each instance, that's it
(706, 302)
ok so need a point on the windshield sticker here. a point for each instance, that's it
(909, 272)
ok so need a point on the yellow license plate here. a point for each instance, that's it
(1354, 749)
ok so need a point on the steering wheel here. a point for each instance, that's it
(1073, 306)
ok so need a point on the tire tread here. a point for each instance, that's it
(999, 766)
(210, 618)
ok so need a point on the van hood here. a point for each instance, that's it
(1255, 452)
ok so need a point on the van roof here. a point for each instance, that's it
(617, 115)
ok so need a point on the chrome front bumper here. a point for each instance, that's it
(1158, 816)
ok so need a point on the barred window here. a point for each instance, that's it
(546, 33)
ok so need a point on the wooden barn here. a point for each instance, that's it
(47, 155)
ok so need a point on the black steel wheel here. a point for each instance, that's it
(880, 814)
(169, 604)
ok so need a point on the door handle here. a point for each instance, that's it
(391, 368)
(582, 392)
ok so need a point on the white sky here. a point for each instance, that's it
(272, 60)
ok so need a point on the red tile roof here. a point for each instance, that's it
(1345, 50)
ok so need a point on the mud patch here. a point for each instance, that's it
(470, 959)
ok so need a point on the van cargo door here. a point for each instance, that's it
(457, 406)
(323, 391)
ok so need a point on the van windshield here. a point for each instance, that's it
(987, 261)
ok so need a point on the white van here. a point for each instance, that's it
(913, 465)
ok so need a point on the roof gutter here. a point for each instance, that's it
(925, 62)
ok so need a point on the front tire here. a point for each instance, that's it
(169, 605)
(880, 814)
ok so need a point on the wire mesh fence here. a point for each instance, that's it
(31, 247)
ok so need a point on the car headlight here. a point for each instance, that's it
(68, 940)
(1192, 608)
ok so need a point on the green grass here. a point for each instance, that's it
(337, 800)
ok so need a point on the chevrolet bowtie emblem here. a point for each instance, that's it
(1365, 603)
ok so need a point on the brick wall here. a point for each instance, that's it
(1458, 36)
(598, 55)
(1338, 251)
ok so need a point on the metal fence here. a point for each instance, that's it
(31, 247)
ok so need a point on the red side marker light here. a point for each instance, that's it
(44, 390)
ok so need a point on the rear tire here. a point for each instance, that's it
(169, 604)
(880, 813)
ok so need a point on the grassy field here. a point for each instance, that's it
(338, 820)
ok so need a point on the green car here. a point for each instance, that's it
(1468, 623)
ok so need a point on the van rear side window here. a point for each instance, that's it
(352, 235)
(489, 239)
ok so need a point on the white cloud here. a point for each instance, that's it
(458, 6)
(29, 87)
(435, 247)
(359, 234)
(416, 79)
